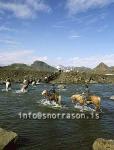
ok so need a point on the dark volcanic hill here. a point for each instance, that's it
(112, 68)
(42, 66)
(37, 66)
(101, 68)
(18, 66)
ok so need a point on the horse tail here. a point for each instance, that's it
(99, 99)
(99, 102)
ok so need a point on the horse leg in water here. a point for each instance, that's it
(96, 101)
(59, 99)
(52, 97)
(82, 104)
(24, 88)
(97, 108)
(8, 86)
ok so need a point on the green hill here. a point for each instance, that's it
(42, 66)
(37, 66)
(18, 66)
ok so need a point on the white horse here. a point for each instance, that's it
(8, 85)
(24, 87)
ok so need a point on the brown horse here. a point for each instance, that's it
(95, 100)
(52, 96)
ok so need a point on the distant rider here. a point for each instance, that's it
(53, 89)
(8, 84)
(33, 83)
(25, 85)
(86, 94)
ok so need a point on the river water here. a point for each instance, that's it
(55, 134)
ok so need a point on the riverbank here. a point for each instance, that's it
(19, 75)
(56, 77)
(82, 77)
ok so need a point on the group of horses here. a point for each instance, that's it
(24, 85)
(76, 98)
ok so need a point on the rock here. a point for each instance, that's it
(102, 144)
(7, 139)
(112, 97)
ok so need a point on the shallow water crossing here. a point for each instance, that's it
(62, 134)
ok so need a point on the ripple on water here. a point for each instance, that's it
(55, 134)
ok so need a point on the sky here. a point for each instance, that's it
(58, 32)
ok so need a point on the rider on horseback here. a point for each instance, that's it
(53, 89)
(25, 85)
(86, 94)
(53, 93)
(8, 84)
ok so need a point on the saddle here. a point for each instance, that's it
(86, 98)
(53, 96)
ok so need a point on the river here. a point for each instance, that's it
(55, 134)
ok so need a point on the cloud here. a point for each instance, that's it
(43, 58)
(26, 8)
(91, 61)
(103, 28)
(58, 26)
(19, 56)
(19, 10)
(9, 41)
(74, 36)
(59, 58)
(28, 56)
(77, 6)
(4, 28)
(38, 5)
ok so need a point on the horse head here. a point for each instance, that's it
(45, 93)
(77, 98)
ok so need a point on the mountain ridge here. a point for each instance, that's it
(42, 66)
(36, 65)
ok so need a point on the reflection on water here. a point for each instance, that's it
(55, 134)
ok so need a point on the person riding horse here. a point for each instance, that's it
(87, 98)
(8, 84)
(86, 94)
(53, 89)
(25, 85)
(52, 94)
